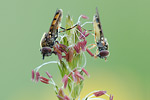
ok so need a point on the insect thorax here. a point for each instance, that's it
(102, 45)
(48, 40)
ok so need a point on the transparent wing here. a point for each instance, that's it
(53, 31)
(97, 27)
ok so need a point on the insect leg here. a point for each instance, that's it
(86, 23)
(95, 38)
(86, 30)
(93, 46)
(67, 29)
(62, 28)
(96, 53)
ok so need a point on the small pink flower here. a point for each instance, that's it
(87, 34)
(74, 78)
(37, 76)
(83, 45)
(66, 98)
(85, 72)
(32, 75)
(89, 52)
(111, 97)
(77, 49)
(84, 17)
(79, 45)
(79, 28)
(65, 80)
(44, 80)
(56, 48)
(99, 93)
(85, 42)
(69, 55)
(48, 74)
(79, 75)
(62, 48)
(82, 35)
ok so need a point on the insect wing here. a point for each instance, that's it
(53, 31)
(97, 27)
(49, 38)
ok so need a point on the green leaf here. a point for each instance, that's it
(77, 60)
(69, 85)
(57, 89)
(70, 33)
(75, 91)
(69, 23)
(64, 68)
(65, 41)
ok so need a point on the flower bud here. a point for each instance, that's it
(99, 93)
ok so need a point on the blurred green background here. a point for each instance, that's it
(125, 24)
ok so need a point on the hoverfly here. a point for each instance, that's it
(49, 39)
(101, 42)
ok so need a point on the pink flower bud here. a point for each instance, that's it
(85, 72)
(48, 74)
(56, 49)
(79, 28)
(82, 35)
(66, 98)
(87, 34)
(85, 42)
(79, 75)
(99, 93)
(62, 48)
(65, 80)
(65, 83)
(79, 45)
(83, 45)
(32, 75)
(69, 55)
(44, 80)
(74, 78)
(37, 76)
(84, 17)
(77, 49)
(89, 52)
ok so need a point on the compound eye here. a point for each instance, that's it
(104, 53)
(46, 50)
